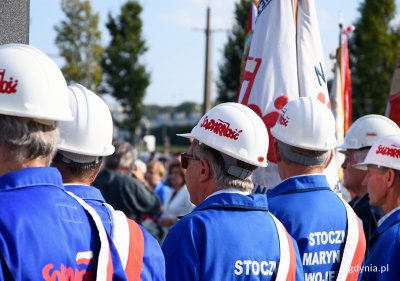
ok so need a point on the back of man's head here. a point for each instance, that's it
(83, 143)
(24, 140)
(305, 132)
(123, 157)
(33, 99)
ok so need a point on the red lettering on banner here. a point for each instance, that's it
(322, 98)
(7, 87)
(67, 273)
(250, 76)
(389, 151)
(270, 121)
(221, 128)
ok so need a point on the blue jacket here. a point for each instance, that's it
(162, 190)
(316, 218)
(153, 260)
(229, 236)
(44, 232)
(383, 261)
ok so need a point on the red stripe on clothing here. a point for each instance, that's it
(291, 276)
(110, 267)
(358, 255)
(136, 252)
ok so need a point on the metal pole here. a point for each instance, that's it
(207, 74)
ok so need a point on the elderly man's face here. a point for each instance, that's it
(192, 176)
(376, 185)
(353, 177)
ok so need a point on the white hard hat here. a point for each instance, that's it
(235, 130)
(306, 123)
(366, 130)
(32, 85)
(91, 131)
(385, 152)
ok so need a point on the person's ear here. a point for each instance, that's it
(329, 159)
(390, 177)
(95, 173)
(205, 171)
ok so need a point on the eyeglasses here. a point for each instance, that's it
(185, 159)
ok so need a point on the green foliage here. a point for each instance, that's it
(373, 50)
(125, 77)
(229, 70)
(78, 39)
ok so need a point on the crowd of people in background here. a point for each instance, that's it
(78, 205)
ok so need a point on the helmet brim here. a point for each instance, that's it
(185, 135)
(342, 147)
(362, 166)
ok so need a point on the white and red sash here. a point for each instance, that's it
(105, 269)
(129, 240)
(354, 249)
(287, 258)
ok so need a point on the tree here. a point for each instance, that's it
(229, 70)
(373, 50)
(125, 77)
(79, 41)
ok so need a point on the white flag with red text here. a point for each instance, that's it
(270, 75)
(284, 63)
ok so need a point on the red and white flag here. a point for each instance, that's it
(310, 57)
(341, 98)
(285, 62)
(251, 22)
(270, 75)
(393, 106)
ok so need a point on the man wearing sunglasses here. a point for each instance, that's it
(230, 235)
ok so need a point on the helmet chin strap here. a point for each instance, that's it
(45, 122)
(232, 169)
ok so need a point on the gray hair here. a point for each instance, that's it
(123, 157)
(27, 140)
(300, 156)
(216, 161)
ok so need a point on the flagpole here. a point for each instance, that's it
(207, 71)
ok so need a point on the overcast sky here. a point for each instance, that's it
(174, 33)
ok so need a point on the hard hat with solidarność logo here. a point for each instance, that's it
(306, 123)
(385, 152)
(366, 130)
(235, 130)
(32, 85)
(91, 131)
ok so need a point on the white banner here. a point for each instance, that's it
(270, 77)
(284, 63)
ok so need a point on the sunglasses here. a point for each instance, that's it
(185, 159)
